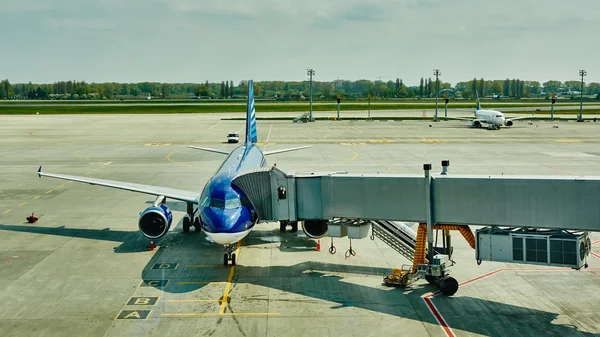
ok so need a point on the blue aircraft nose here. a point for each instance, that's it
(216, 220)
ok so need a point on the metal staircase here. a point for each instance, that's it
(398, 236)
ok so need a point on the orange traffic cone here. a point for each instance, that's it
(318, 245)
(152, 245)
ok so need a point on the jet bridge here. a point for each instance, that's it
(526, 219)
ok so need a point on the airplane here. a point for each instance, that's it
(493, 118)
(225, 214)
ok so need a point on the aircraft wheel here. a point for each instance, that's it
(294, 226)
(186, 224)
(449, 286)
(197, 226)
(233, 259)
(225, 259)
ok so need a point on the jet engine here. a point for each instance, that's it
(508, 122)
(476, 123)
(315, 229)
(155, 221)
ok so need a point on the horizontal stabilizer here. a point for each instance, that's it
(208, 149)
(286, 150)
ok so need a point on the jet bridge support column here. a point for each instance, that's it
(428, 211)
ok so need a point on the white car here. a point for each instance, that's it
(233, 137)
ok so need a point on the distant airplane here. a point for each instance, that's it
(493, 118)
(226, 215)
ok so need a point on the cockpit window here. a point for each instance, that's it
(223, 204)
(217, 203)
(232, 203)
(498, 116)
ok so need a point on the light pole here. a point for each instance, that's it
(310, 72)
(437, 73)
(580, 118)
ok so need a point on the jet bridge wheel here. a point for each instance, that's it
(448, 286)
(282, 226)
(186, 224)
(432, 279)
(294, 225)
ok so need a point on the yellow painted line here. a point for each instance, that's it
(387, 167)
(194, 314)
(192, 301)
(60, 186)
(352, 159)
(434, 140)
(226, 294)
(87, 174)
(569, 140)
(23, 204)
(381, 141)
(70, 181)
(193, 282)
(176, 162)
(8, 210)
(49, 191)
(37, 197)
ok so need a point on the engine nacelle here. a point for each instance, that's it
(476, 123)
(155, 221)
(315, 229)
(508, 122)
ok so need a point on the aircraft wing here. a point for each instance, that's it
(182, 195)
(207, 149)
(266, 153)
(460, 118)
(520, 117)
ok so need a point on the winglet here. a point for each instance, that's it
(39, 171)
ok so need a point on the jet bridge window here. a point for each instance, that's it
(281, 192)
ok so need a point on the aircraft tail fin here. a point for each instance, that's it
(478, 106)
(251, 134)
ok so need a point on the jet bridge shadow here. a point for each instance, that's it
(317, 280)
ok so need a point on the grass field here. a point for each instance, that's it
(223, 108)
(486, 102)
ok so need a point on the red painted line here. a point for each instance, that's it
(481, 277)
(440, 319)
(596, 255)
(438, 316)
(595, 242)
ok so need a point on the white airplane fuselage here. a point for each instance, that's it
(491, 117)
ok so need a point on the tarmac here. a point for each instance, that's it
(84, 269)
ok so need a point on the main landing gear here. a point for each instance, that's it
(188, 222)
(229, 255)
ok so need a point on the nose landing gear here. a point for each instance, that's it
(190, 220)
(229, 255)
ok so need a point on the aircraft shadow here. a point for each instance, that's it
(316, 280)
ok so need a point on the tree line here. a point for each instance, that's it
(294, 90)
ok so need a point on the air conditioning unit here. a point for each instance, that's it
(541, 247)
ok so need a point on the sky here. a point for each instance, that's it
(177, 41)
